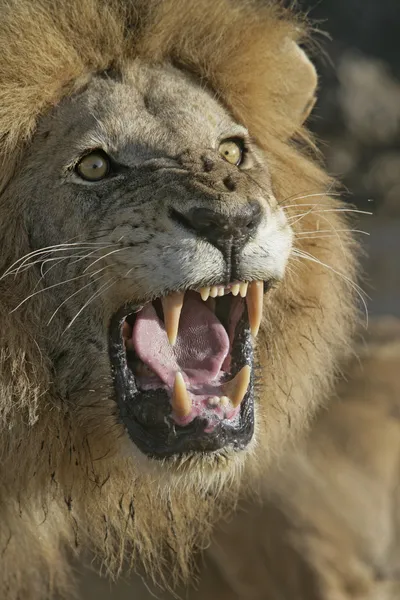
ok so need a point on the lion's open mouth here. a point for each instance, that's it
(183, 369)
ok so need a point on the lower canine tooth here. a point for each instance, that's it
(172, 307)
(237, 388)
(254, 301)
(181, 402)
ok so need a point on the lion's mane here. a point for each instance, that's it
(60, 491)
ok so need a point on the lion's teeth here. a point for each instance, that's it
(214, 401)
(235, 289)
(181, 402)
(214, 291)
(205, 293)
(221, 291)
(243, 289)
(237, 388)
(254, 301)
(224, 401)
(172, 307)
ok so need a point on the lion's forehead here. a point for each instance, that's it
(148, 110)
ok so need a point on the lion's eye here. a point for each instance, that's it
(94, 166)
(232, 151)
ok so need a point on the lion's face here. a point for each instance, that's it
(161, 238)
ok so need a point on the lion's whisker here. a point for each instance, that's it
(104, 256)
(360, 292)
(79, 259)
(106, 286)
(299, 217)
(78, 292)
(43, 251)
(297, 233)
(305, 196)
(330, 210)
(42, 262)
(54, 285)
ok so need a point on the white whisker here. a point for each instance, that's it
(319, 195)
(80, 258)
(104, 256)
(297, 233)
(20, 263)
(360, 292)
(78, 292)
(48, 288)
(299, 218)
(338, 210)
(102, 288)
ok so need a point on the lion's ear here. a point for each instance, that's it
(301, 84)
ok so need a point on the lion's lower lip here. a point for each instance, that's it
(212, 423)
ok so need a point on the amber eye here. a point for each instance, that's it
(232, 151)
(94, 166)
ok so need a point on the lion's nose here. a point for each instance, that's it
(218, 228)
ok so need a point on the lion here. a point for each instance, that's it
(161, 203)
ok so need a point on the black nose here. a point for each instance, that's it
(217, 228)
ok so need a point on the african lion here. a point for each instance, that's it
(161, 204)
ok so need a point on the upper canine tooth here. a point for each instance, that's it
(204, 293)
(214, 291)
(235, 289)
(243, 289)
(237, 388)
(172, 307)
(181, 402)
(254, 301)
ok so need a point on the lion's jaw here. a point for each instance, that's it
(131, 239)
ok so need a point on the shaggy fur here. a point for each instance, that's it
(69, 478)
(328, 526)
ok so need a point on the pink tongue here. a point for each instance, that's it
(200, 349)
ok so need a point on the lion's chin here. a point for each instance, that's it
(183, 369)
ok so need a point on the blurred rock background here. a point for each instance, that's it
(357, 120)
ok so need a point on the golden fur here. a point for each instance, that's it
(66, 485)
(328, 524)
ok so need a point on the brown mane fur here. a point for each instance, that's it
(59, 490)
